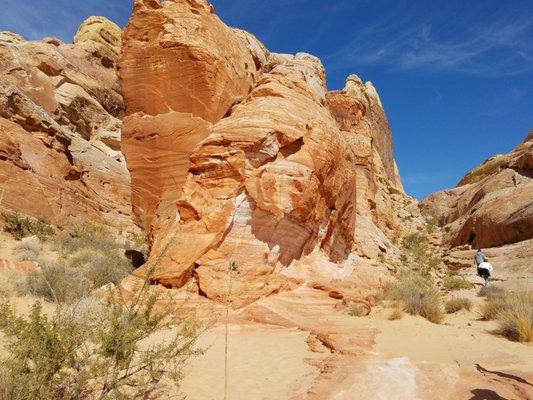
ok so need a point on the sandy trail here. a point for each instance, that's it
(265, 362)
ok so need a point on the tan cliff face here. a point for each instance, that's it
(492, 207)
(60, 119)
(238, 154)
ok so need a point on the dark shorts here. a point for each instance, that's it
(483, 272)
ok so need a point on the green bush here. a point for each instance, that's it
(414, 241)
(456, 283)
(100, 354)
(458, 304)
(418, 295)
(431, 225)
(418, 255)
(20, 227)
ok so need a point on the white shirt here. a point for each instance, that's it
(486, 265)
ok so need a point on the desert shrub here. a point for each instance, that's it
(417, 254)
(515, 319)
(55, 283)
(496, 301)
(456, 283)
(100, 266)
(94, 253)
(458, 304)
(492, 307)
(102, 354)
(357, 310)
(20, 226)
(414, 241)
(140, 242)
(28, 249)
(512, 311)
(397, 312)
(86, 236)
(492, 291)
(9, 282)
(451, 272)
(418, 295)
(431, 225)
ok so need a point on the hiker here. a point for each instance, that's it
(483, 270)
(479, 257)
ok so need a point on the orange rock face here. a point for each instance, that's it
(240, 157)
(60, 119)
(493, 205)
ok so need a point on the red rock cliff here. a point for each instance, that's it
(60, 119)
(238, 154)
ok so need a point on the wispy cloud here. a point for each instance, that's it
(497, 47)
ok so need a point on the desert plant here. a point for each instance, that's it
(20, 226)
(457, 304)
(431, 225)
(100, 266)
(86, 236)
(418, 295)
(414, 241)
(417, 254)
(28, 249)
(397, 312)
(515, 319)
(491, 291)
(102, 354)
(456, 283)
(56, 283)
(9, 282)
(357, 310)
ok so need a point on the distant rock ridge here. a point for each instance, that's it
(60, 122)
(492, 205)
(241, 155)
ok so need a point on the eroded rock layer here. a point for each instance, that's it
(492, 207)
(240, 157)
(60, 119)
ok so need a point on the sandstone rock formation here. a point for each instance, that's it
(60, 120)
(492, 207)
(239, 155)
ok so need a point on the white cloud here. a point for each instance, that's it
(503, 46)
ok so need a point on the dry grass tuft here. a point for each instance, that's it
(456, 283)
(515, 316)
(418, 295)
(357, 310)
(397, 312)
(458, 304)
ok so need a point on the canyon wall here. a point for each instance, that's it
(239, 156)
(491, 207)
(60, 124)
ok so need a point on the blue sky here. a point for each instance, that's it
(455, 77)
